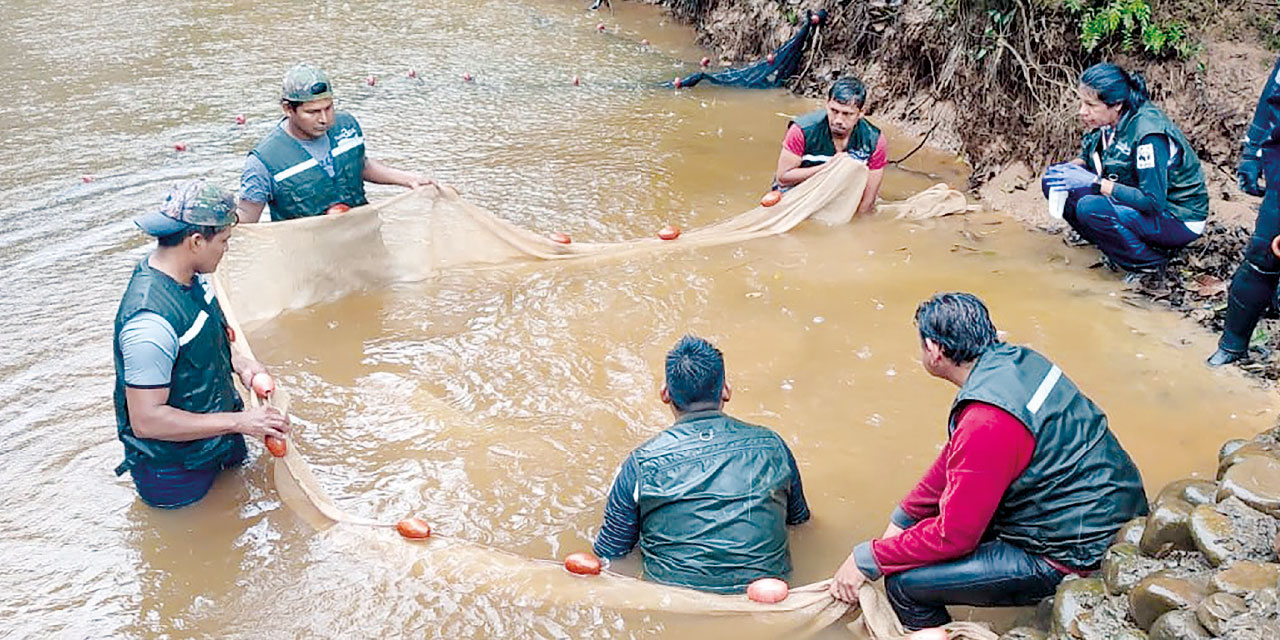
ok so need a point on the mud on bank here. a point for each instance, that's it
(1000, 93)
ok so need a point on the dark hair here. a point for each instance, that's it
(292, 105)
(959, 323)
(695, 372)
(848, 90)
(175, 239)
(1115, 85)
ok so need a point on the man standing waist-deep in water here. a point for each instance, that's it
(314, 159)
(814, 138)
(1031, 485)
(177, 409)
(708, 499)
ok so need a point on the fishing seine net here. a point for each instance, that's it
(432, 230)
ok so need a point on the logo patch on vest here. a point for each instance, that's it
(1146, 156)
(346, 134)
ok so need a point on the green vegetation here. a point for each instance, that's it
(1127, 24)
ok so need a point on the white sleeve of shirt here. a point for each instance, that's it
(150, 347)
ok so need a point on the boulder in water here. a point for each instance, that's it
(1168, 527)
(1160, 593)
(1255, 480)
(1132, 530)
(1214, 612)
(1073, 601)
(1123, 567)
(1190, 490)
(1245, 577)
(1178, 625)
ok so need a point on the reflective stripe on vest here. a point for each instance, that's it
(343, 147)
(1042, 391)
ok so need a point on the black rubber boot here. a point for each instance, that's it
(1250, 293)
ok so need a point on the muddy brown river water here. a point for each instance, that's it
(556, 367)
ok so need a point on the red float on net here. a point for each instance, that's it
(583, 563)
(414, 528)
(771, 198)
(768, 590)
(277, 446)
(669, 232)
(562, 238)
(180, 146)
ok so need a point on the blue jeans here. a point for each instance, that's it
(996, 574)
(1134, 241)
(170, 487)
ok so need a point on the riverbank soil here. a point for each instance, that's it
(994, 82)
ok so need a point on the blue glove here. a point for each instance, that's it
(1247, 177)
(1070, 177)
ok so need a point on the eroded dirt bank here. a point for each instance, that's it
(994, 82)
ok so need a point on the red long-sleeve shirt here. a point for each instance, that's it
(954, 502)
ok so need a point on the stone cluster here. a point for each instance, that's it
(1202, 565)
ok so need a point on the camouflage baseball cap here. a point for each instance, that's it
(195, 203)
(304, 83)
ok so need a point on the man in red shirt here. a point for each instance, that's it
(1031, 485)
(818, 136)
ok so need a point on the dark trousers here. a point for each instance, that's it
(997, 574)
(1255, 280)
(170, 487)
(1134, 241)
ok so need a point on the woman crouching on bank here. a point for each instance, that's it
(1136, 191)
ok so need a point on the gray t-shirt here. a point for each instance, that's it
(256, 184)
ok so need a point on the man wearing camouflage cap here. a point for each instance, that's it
(177, 409)
(314, 159)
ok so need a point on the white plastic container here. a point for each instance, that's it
(1057, 202)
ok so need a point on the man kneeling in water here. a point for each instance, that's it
(709, 498)
(1030, 486)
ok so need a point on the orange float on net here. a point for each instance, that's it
(277, 446)
(705, 62)
(669, 232)
(677, 83)
(562, 238)
(86, 178)
(466, 76)
(371, 80)
(413, 73)
(771, 198)
(263, 384)
(240, 119)
(768, 590)
(180, 146)
(1275, 246)
(576, 81)
(645, 42)
(337, 208)
(600, 27)
(414, 528)
(583, 563)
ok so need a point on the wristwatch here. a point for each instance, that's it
(1096, 187)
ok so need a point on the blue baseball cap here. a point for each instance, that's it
(195, 203)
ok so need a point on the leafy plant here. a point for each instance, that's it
(1128, 24)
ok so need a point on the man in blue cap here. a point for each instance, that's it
(177, 410)
(314, 160)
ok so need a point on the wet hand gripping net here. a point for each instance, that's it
(431, 230)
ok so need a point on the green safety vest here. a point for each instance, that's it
(1187, 195)
(1080, 485)
(712, 497)
(202, 375)
(301, 186)
(820, 148)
